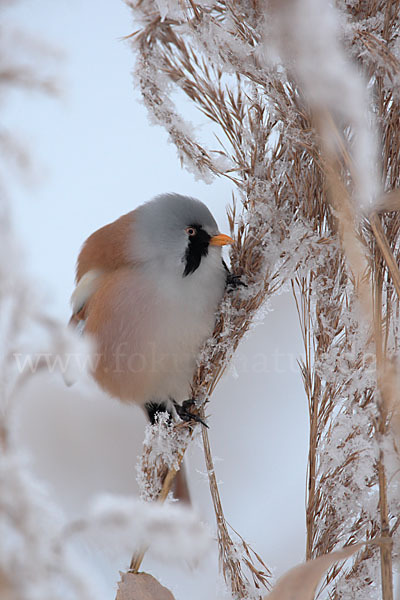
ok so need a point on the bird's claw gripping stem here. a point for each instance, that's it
(234, 281)
(184, 411)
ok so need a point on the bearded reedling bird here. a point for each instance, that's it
(147, 289)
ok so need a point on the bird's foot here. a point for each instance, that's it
(155, 408)
(186, 413)
(233, 282)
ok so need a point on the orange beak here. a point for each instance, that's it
(221, 240)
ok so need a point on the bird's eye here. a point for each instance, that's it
(190, 231)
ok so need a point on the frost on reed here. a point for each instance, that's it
(302, 97)
(162, 453)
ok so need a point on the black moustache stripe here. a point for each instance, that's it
(197, 248)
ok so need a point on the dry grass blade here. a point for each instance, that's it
(232, 566)
(386, 251)
(389, 202)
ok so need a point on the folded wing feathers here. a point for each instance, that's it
(107, 249)
(87, 285)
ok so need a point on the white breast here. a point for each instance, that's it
(187, 307)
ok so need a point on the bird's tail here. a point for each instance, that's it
(180, 487)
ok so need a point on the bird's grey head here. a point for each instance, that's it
(175, 230)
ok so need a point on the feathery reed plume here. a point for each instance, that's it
(278, 83)
(345, 169)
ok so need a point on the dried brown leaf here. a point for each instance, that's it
(301, 582)
(141, 586)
